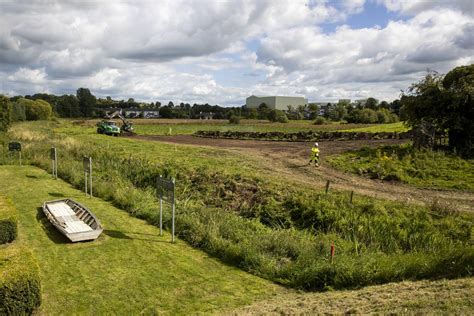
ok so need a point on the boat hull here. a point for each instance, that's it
(72, 219)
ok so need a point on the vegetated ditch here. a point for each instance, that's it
(278, 232)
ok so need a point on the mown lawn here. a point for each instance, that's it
(130, 269)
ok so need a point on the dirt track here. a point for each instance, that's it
(290, 160)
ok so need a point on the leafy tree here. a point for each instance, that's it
(87, 101)
(18, 112)
(446, 103)
(339, 111)
(5, 113)
(384, 105)
(277, 116)
(252, 114)
(371, 103)
(395, 106)
(68, 106)
(263, 111)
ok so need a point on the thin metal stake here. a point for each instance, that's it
(327, 187)
(352, 195)
(85, 182)
(161, 214)
(172, 215)
(20, 157)
(56, 164)
(90, 174)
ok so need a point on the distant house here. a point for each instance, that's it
(206, 115)
(134, 112)
(275, 102)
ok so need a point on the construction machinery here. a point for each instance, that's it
(108, 128)
(125, 129)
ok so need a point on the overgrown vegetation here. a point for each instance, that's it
(425, 167)
(8, 221)
(278, 232)
(443, 104)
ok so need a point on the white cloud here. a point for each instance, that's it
(221, 51)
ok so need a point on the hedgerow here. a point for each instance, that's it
(20, 286)
(8, 221)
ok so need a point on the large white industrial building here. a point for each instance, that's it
(275, 102)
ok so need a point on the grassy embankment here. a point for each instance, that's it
(263, 224)
(130, 269)
(423, 168)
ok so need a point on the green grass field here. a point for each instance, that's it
(398, 127)
(187, 127)
(422, 168)
(130, 269)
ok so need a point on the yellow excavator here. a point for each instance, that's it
(127, 126)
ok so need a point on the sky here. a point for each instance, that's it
(220, 52)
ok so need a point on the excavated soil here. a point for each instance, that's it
(290, 161)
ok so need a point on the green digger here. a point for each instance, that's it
(110, 127)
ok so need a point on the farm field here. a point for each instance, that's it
(187, 127)
(255, 205)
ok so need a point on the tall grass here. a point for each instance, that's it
(425, 168)
(272, 230)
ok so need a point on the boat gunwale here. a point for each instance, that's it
(53, 220)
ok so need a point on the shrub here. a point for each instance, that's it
(234, 119)
(18, 112)
(277, 116)
(20, 286)
(320, 120)
(35, 110)
(8, 221)
(5, 113)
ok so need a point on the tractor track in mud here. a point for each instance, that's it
(290, 161)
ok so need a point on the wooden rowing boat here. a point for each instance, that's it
(72, 219)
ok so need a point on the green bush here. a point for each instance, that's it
(320, 120)
(20, 286)
(18, 112)
(8, 221)
(277, 116)
(5, 113)
(35, 110)
(234, 119)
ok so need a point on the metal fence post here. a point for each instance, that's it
(172, 215)
(90, 174)
(161, 212)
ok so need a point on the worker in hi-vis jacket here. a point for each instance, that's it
(315, 155)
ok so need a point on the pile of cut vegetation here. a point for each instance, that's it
(303, 136)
